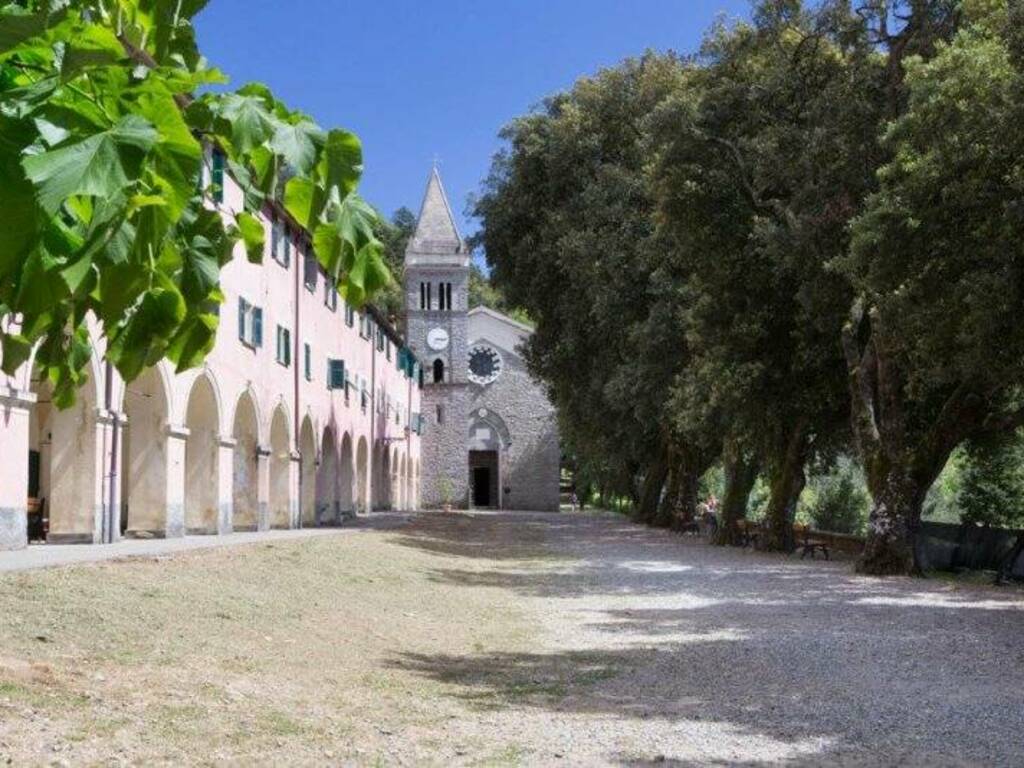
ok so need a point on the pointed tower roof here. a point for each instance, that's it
(437, 237)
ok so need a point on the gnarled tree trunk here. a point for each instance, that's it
(679, 504)
(650, 490)
(786, 480)
(902, 454)
(892, 527)
(740, 469)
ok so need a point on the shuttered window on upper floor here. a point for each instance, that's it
(310, 268)
(336, 374)
(284, 346)
(217, 175)
(250, 324)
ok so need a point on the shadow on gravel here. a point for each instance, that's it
(486, 536)
(672, 630)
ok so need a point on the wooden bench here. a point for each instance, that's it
(691, 527)
(807, 545)
(750, 532)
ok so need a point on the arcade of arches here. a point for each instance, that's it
(166, 480)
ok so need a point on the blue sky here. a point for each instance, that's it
(422, 78)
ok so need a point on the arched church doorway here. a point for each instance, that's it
(487, 443)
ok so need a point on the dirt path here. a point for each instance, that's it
(503, 640)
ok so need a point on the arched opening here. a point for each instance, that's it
(307, 447)
(438, 371)
(280, 466)
(245, 477)
(202, 460)
(63, 466)
(347, 476)
(144, 458)
(362, 472)
(327, 480)
(487, 441)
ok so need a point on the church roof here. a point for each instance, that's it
(436, 231)
(483, 311)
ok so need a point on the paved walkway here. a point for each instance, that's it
(55, 555)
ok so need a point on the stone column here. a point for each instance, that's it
(294, 500)
(110, 465)
(177, 438)
(15, 419)
(226, 474)
(263, 488)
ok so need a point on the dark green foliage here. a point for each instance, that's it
(394, 235)
(934, 346)
(992, 482)
(840, 500)
(568, 232)
(812, 226)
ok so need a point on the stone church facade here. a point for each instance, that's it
(491, 438)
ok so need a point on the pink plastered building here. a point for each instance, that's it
(305, 413)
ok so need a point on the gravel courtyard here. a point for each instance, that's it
(504, 639)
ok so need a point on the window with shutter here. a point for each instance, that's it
(309, 270)
(284, 346)
(250, 324)
(217, 180)
(243, 320)
(335, 374)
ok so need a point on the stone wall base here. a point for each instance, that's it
(13, 528)
(70, 538)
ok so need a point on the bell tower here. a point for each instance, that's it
(436, 328)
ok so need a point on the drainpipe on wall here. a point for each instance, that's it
(299, 360)
(373, 411)
(111, 514)
(408, 440)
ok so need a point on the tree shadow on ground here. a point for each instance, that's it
(677, 632)
(484, 536)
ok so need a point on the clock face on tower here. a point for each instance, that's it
(484, 364)
(437, 339)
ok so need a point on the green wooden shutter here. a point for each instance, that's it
(243, 307)
(257, 327)
(218, 176)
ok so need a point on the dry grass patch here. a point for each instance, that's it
(270, 653)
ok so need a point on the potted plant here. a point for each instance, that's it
(446, 494)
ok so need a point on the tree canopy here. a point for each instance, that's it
(103, 140)
(801, 242)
